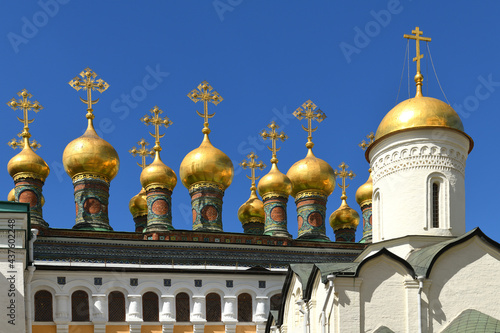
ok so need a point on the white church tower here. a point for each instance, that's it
(418, 167)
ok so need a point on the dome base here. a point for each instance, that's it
(275, 211)
(206, 202)
(311, 211)
(159, 218)
(91, 203)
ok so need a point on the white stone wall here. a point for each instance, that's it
(404, 166)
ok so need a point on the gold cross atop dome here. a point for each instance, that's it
(157, 121)
(20, 143)
(419, 78)
(310, 113)
(25, 105)
(89, 83)
(343, 174)
(143, 152)
(365, 144)
(273, 136)
(252, 165)
(206, 94)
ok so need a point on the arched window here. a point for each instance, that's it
(213, 307)
(245, 307)
(80, 306)
(150, 308)
(43, 306)
(275, 302)
(116, 306)
(435, 205)
(182, 307)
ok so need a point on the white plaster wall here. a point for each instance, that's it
(401, 167)
(465, 277)
(291, 318)
(347, 315)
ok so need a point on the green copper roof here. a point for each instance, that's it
(383, 329)
(473, 321)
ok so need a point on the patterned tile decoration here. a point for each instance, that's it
(167, 282)
(134, 282)
(229, 283)
(262, 284)
(98, 281)
(197, 283)
(61, 280)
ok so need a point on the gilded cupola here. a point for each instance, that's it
(251, 214)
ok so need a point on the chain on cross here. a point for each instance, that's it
(89, 83)
(157, 121)
(309, 112)
(143, 152)
(417, 37)
(344, 174)
(25, 105)
(364, 144)
(206, 94)
(252, 165)
(273, 136)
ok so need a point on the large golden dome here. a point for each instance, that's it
(275, 182)
(206, 164)
(28, 164)
(158, 174)
(138, 205)
(89, 154)
(365, 191)
(311, 173)
(252, 210)
(344, 218)
(419, 112)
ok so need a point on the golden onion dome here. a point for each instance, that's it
(29, 164)
(419, 112)
(89, 154)
(206, 164)
(365, 191)
(12, 196)
(158, 174)
(344, 218)
(311, 173)
(252, 210)
(138, 205)
(275, 182)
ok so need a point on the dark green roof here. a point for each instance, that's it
(383, 329)
(337, 268)
(473, 321)
(303, 271)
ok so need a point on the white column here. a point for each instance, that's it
(260, 316)
(229, 315)
(134, 315)
(62, 307)
(99, 312)
(198, 313)
(167, 308)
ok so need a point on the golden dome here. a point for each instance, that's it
(344, 218)
(419, 112)
(275, 182)
(252, 210)
(29, 164)
(138, 205)
(311, 173)
(89, 154)
(365, 191)
(208, 164)
(11, 196)
(158, 174)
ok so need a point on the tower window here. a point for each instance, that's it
(182, 307)
(150, 308)
(80, 306)
(43, 306)
(244, 307)
(213, 307)
(116, 306)
(435, 205)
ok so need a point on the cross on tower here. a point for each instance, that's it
(206, 94)
(310, 113)
(157, 121)
(252, 165)
(25, 105)
(365, 144)
(20, 143)
(143, 152)
(343, 174)
(90, 83)
(273, 136)
(417, 37)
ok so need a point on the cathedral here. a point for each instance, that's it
(415, 269)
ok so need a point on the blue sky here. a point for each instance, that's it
(265, 59)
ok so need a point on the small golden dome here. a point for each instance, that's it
(419, 112)
(275, 182)
(11, 196)
(344, 218)
(208, 164)
(311, 173)
(89, 154)
(252, 210)
(29, 164)
(365, 191)
(138, 205)
(158, 174)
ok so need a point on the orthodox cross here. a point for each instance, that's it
(89, 83)
(365, 144)
(343, 174)
(206, 94)
(417, 37)
(252, 165)
(273, 136)
(157, 121)
(25, 105)
(310, 113)
(143, 152)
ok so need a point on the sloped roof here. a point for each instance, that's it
(473, 321)
(383, 329)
